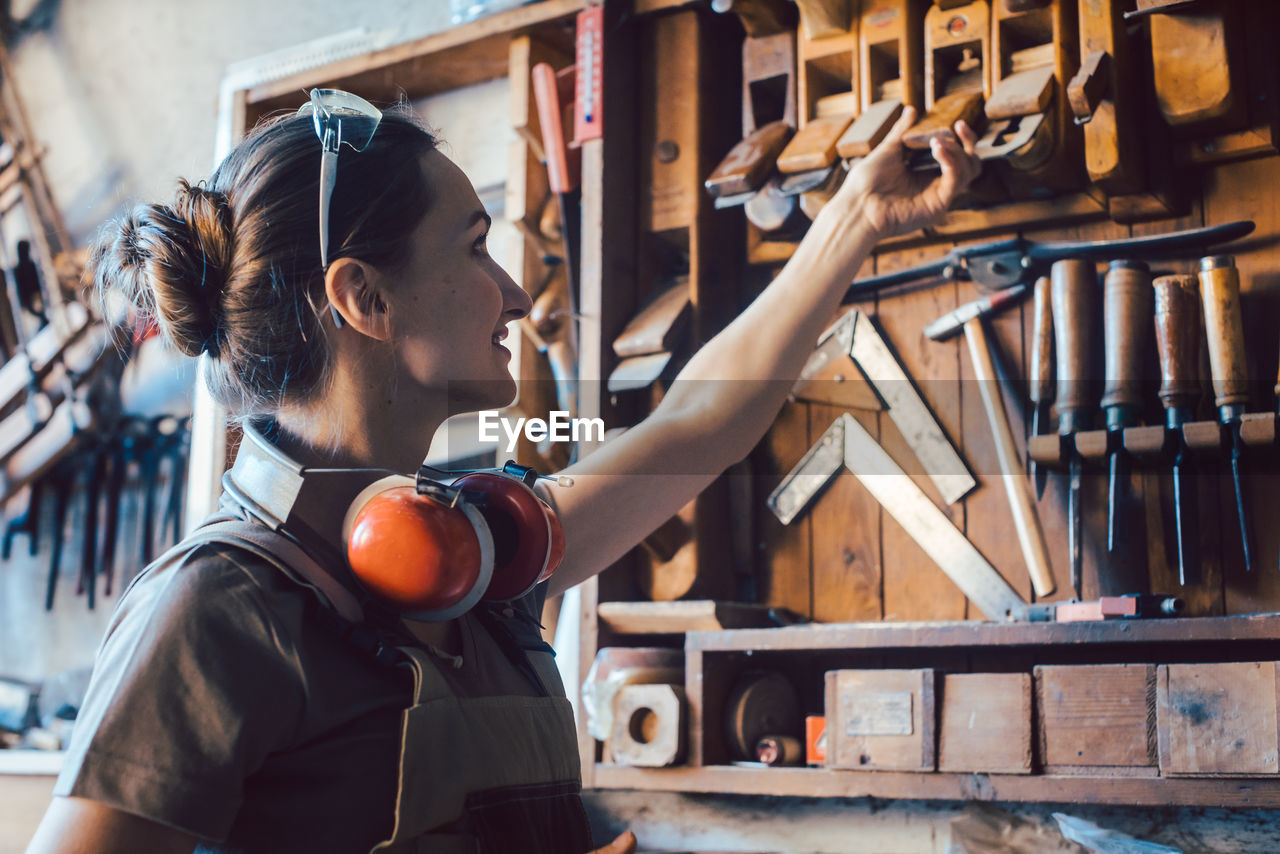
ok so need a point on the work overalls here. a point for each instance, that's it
(483, 774)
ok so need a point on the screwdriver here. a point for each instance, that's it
(1041, 371)
(1126, 317)
(1177, 315)
(1074, 297)
(1224, 326)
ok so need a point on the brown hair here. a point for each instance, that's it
(232, 268)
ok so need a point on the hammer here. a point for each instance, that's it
(971, 319)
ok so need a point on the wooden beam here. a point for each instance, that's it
(1259, 627)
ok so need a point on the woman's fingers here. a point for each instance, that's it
(959, 166)
(899, 129)
(968, 138)
(624, 844)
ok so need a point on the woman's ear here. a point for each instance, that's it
(352, 288)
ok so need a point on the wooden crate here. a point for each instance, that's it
(1097, 718)
(1217, 718)
(986, 723)
(881, 719)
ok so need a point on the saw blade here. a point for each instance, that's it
(938, 457)
(941, 540)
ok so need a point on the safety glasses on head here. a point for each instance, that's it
(339, 117)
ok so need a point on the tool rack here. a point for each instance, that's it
(846, 563)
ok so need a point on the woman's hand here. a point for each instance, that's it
(892, 199)
(624, 844)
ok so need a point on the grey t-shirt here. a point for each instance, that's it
(223, 704)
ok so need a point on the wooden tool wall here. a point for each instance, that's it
(845, 559)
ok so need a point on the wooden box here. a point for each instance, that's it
(1097, 716)
(881, 719)
(986, 723)
(1217, 718)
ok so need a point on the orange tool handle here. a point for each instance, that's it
(561, 162)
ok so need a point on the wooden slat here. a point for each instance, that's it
(679, 617)
(1245, 793)
(460, 56)
(915, 588)
(786, 550)
(847, 564)
(1183, 630)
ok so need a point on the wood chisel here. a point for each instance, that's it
(1074, 294)
(1041, 372)
(1224, 326)
(1177, 312)
(1126, 312)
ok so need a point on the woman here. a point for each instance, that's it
(228, 711)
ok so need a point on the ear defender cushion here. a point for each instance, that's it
(556, 554)
(522, 527)
(415, 555)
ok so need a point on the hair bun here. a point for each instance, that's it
(172, 262)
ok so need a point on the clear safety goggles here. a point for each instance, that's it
(339, 118)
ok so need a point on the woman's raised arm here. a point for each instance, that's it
(729, 393)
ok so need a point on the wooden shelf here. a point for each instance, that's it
(465, 55)
(861, 636)
(680, 617)
(1230, 792)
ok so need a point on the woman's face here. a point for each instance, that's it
(451, 303)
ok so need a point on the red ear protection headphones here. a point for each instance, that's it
(425, 547)
(432, 551)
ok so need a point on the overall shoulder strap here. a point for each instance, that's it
(285, 555)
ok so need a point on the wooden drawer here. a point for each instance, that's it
(986, 723)
(881, 719)
(1097, 716)
(1217, 719)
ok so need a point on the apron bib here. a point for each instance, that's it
(504, 770)
(479, 775)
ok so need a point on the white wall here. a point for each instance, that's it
(124, 92)
(122, 96)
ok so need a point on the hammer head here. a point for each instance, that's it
(953, 321)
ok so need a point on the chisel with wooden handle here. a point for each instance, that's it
(1074, 295)
(1224, 327)
(1126, 316)
(1177, 316)
(1041, 371)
